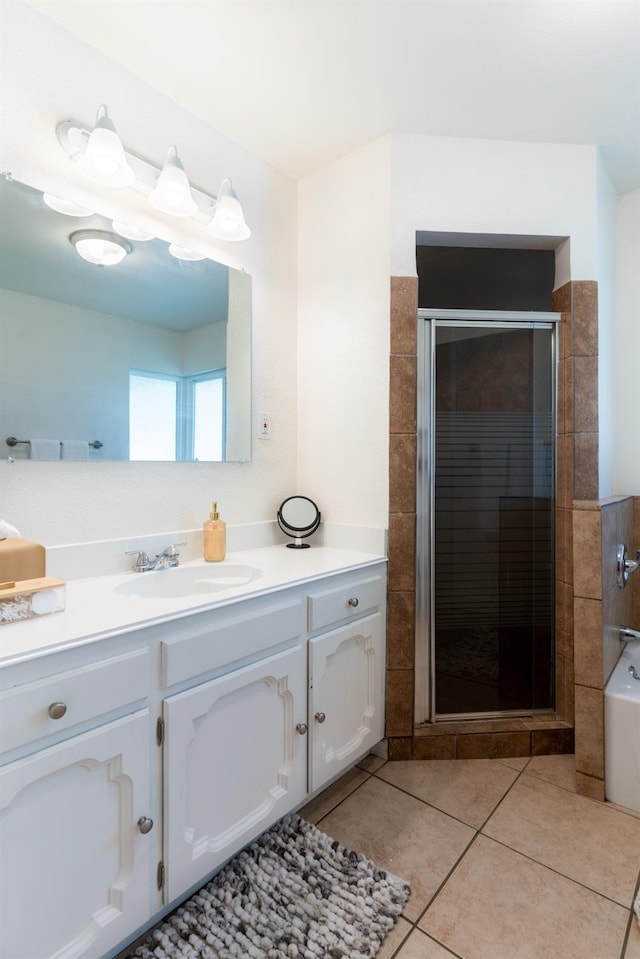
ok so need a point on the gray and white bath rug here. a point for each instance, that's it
(294, 893)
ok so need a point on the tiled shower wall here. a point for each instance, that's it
(600, 606)
(577, 477)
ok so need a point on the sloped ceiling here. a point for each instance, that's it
(302, 82)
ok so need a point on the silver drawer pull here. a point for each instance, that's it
(320, 717)
(354, 601)
(145, 825)
(57, 710)
(301, 728)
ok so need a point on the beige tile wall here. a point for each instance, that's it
(577, 477)
(599, 607)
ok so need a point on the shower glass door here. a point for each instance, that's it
(491, 506)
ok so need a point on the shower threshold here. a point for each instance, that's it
(496, 738)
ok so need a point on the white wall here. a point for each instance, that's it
(343, 337)
(606, 276)
(627, 348)
(47, 76)
(444, 184)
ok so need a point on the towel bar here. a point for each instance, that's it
(12, 441)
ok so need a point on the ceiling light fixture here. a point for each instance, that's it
(100, 247)
(101, 156)
(103, 160)
(68, 207)
(228, 219)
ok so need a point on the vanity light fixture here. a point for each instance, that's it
(100, 247)
(103, 160)
(172, 193)
(100, 155)
(68, 207)
(228, 221)
(182, 253)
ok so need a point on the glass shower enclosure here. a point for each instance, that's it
(485, 517)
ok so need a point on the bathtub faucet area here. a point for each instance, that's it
(629, 635)
(625, 566)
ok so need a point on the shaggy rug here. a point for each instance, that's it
(294, 893)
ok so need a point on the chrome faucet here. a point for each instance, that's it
(168, 557)
(625, 566)
(629, 635)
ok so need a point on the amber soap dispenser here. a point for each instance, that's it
(215, 537)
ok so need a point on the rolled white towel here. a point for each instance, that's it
(75, 450)
(44, 449)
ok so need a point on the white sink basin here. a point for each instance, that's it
(180, 581)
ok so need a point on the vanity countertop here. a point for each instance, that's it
(106, 606)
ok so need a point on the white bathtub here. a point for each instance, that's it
(622, 731)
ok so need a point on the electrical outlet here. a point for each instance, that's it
(264, 426)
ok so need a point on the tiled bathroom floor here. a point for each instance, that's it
(505, 860)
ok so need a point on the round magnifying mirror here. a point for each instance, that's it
(298, 517)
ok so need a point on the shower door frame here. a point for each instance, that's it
(428, 321)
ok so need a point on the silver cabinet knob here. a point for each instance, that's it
(320, 717)
(57, 710)
(145, 825)
(301, 728)
(354, 601)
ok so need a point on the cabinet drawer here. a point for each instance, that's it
(358, 597)
(226, 641)
(85, 693)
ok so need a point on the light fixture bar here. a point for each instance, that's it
(74, 137)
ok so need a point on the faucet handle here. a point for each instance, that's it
(625, 565)
(142, 563)
(172, 551)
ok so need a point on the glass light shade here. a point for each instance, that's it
(172, 193)
(99, 247)
(228, 221)
(68, 207)
(131, 232)
(182, 253)
(104, 159)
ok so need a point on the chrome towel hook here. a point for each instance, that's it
(625, 565)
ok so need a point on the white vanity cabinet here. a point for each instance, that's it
(75, 850)
(346, 675)
(132, 767)
(235, 747)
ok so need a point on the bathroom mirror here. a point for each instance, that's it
(151, 358)
(298, 517)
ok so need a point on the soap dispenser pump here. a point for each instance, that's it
(215, 536)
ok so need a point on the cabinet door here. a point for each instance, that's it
(233, 763)
(346, 696)
(74, 866)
